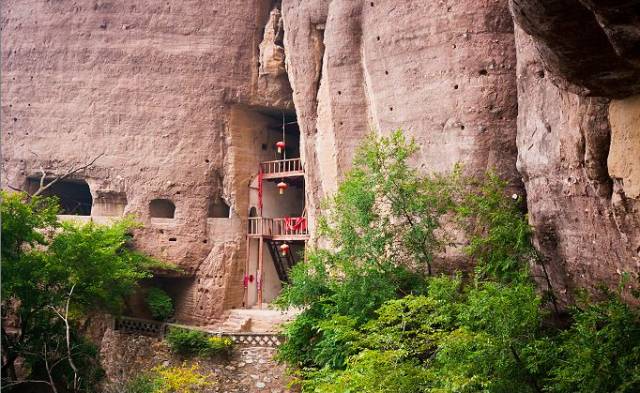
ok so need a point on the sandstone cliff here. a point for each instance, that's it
(186, 98)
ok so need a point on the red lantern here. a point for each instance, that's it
(280, 145)
(284, 249)
(282, 186)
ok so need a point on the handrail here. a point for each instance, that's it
(281, 226)
(282, 166)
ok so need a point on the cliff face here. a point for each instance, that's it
(578, 136)
(442, 71)
(153, 86)
(185, 99)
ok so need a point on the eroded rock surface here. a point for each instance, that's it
(186, 98)
(442, 71)
(586, 227)
(591, 44)
(153, 87)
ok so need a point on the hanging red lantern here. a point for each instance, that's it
(280, 145)
(284, 249)
(282, 186)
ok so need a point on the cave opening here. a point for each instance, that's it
(74, 195)
(218, 208)
(162, 208)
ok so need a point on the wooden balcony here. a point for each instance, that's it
(290, 228)
(282, 168)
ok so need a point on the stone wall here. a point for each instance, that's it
(248, 369)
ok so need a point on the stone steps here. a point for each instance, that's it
(255, 320)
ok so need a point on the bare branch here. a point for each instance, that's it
(46, 365)
(23, 381)
(44, 176)
(15, 188)
(65, 319)
(70, 172)
(66, 322)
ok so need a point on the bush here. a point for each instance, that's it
(56, 272)
(160, 304)
(218, 346)
(177, 379)
(196, 343)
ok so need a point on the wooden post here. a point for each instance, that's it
(260, 270)
(245, 277)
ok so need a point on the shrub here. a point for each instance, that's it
(160, 304)
(196, 343)
(218, 346)
(176, 379)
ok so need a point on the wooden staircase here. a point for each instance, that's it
(283, 263)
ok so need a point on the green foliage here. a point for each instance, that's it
(600, 352)
(166, 379)
(160, 304)
(189, 343)
(384, 212)
(376, 320)
(499, 236)
(47, 265)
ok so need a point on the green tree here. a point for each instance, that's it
(160, 304)
(53, 275)
(381, 223)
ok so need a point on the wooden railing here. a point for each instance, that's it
(280, 168)
(261, 226)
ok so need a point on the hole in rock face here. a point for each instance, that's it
(207, 161)
(390, 108)
(341, 123)
(263, 146)
(177, 192)
(15, 119)
(378, 38)
(482, 72)
(74, 196)
(454, 46)
(339, 92)
(218, 208)
(371, 3)
(462, 127)
(162, 208)
(173, 239)
(455, 87)
(540, 74)
(205, 241)
(386, 72)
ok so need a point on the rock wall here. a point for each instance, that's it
(441, 71)
(247, 370)
(152, 86)
(563, 142)
(578, 134)
(183, 99)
